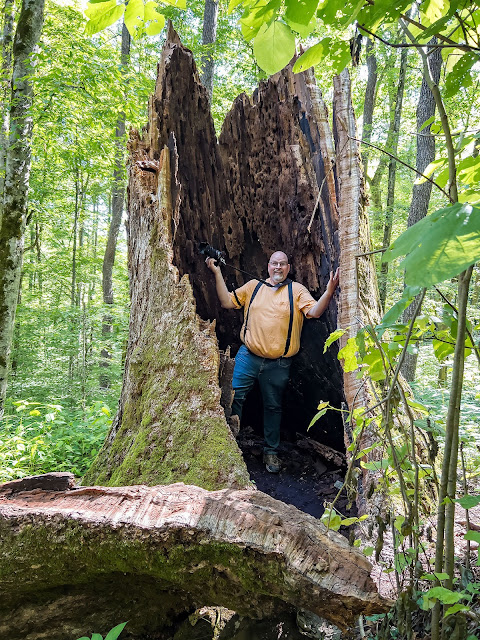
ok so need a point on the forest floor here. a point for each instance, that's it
(306, 479)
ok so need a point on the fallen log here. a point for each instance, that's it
(75, 556)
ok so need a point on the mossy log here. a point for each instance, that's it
(278, 177)
(79, 559)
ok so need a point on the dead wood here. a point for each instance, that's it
(337, 458)
(238, 549)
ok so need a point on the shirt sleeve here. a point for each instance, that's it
(305, 300)
(240, 296)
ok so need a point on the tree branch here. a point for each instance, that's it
(405, 164)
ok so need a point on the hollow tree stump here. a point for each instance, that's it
(272, 181)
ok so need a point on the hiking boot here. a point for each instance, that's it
(272, 462)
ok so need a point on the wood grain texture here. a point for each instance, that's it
(238, 549)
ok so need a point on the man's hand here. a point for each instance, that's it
(221, 287)
(333, 282)
(213, 265)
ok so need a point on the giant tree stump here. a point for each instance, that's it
(277, 178)
(77, 560)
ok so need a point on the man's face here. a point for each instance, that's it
(278, 267)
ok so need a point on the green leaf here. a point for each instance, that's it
(468, 502)
(301, 29)
(435, 576)
(376, 465)
(442, 349)
(455, 609)
(399, 307)
(335, 335)
(445, 596)
(469, 171)
(180, 4)
(460, 77)
(367, 551)
(348, 355)
(155, 27)
(311, 57)
(134, 15)
(300, 11)
(339, 55)
(439, 246)
(115, 632)
(474, 536)
(317, 416)
(427, 123)
(431, 168)
(97, 636)
(274, 47)
(102, 16)
(433, 9)
(232, 5)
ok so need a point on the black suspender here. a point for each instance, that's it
(290, 323)
(255, 291)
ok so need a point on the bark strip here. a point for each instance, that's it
(239, 549)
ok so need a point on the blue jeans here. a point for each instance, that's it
(272, 376)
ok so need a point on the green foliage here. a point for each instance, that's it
(440, 246)
(141, 18)
(39, 438)
(113, 634)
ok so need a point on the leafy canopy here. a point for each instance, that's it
(140, 17)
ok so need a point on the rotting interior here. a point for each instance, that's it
(250, 193)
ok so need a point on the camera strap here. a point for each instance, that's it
(289, 283)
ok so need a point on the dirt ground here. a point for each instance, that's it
(306, 480)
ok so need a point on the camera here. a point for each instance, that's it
(210, 252)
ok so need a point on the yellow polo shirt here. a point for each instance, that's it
(269, 317)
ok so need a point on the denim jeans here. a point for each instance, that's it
(272, 376)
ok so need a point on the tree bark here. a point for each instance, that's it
(209, 37)
(392, 169)
(369, 102)
(17, 173)
(177, 547)
(421, 192)
(5, 88)
(118, 198)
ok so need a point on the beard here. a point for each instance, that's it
(277, 277)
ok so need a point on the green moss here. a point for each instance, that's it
(172, 427)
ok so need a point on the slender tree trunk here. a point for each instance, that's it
(5, 84)
(421, 192)
(392, 168)
(118, 197)
(17, 174)
(209, 37)
(369, 104)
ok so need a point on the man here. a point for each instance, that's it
(273, 319)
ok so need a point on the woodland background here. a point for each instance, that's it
(71, 330)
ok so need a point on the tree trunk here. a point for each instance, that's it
(118, 197)
(209, 36)
(369, 102)
(392, 170)
(421, 192)
(177, 548)
(252, 192)
(5, 88)
(17, 173)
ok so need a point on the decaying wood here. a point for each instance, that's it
(337, 458)
(239, 549)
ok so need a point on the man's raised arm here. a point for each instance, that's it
(222, 291)
(323, 302)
